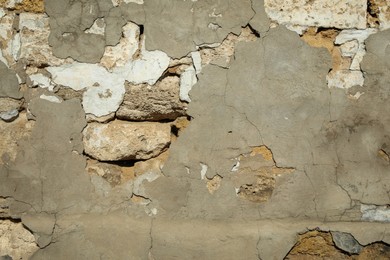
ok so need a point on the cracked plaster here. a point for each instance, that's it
(272, 92)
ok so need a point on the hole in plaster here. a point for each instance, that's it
(141, 29)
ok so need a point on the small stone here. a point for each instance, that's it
(154, 103)
(346, 242)
(7, 104)
(120, 140)
(110, 172)
(10, 115)
(349, 48)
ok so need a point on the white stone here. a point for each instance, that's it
(299, 29)
(349, 35)
(330, 13)
(53, 99)
(187, 81)
(104, 99)
(349, 49)
(345, 79)
(41, 80)
(197, 61)
(147, 69)
(98, 27)
(32, 21)
(16, 47)
(375, 213)
(120, 54)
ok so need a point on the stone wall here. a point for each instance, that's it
(194, 129)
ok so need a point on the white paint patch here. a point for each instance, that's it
(203, 171)
(105, 98)
(187, 80)
(79, 76)
(197, 61)
(98, 27)
(375, 213)
(53, 99)
(42, 81)
(148, 69)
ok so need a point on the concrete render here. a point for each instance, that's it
(323, 157)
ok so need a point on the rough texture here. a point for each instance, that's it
(154, 103)
(195, 129)
(16, 241)
(121, 140)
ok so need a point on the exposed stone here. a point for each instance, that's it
(346, 242)
(15, 240)
(12, 133)
(124, 51)
(110, 172)
(379, 14)
(375, 213)
(7, 35)
(10, 115)
(152, 166)
(7, 104)
(345, 79)
(214, 184)
(120, 140)
(333, 13)
(154, 103)
(316, 245)
(34, 40)
(255, 174)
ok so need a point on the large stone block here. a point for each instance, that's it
(121, 140)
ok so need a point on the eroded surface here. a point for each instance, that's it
(194, 129)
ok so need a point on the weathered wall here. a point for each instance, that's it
(194, 129)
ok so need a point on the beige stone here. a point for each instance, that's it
(256, 174)
(158, 102)
(7, 104)
(11, 134)
(34, 40)
(16, 241)
(330, 13)
(153, 165)
(120, 140)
